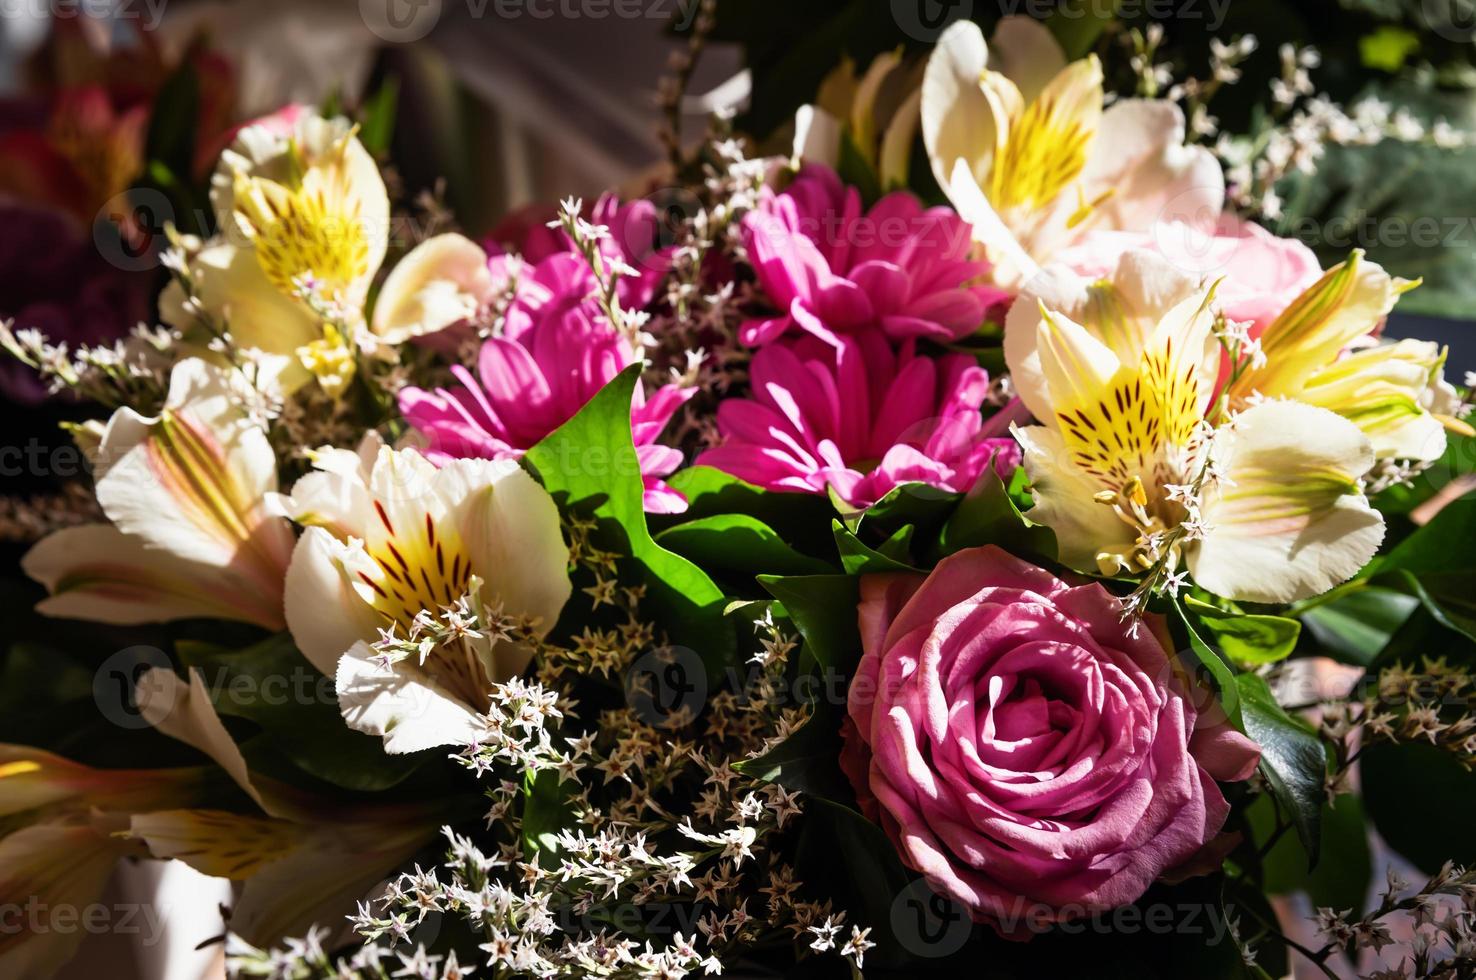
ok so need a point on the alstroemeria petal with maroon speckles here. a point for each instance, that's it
(392, 535)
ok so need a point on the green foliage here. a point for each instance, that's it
(589, 465)
(1248, 640)
(1340, 881)
(738, 543)
(273, 685)
(1293, 761)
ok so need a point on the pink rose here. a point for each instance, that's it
(1261, 273)
(1032, 758)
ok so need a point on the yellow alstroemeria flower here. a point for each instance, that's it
(1019, 140)
(303, 227)
(1130, 470)
(1321, 350)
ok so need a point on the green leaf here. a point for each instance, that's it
(800, 519)
(546, 812)
(589, 465)
(377, 118)
(1246, 639)
(808, 760)
(1293, 760)
(1434, 564)
(923, 506)
(1420, 799)
(1341, 881)
(853, 169)
(988, 515)
(1206, 667)
(173, 119)
(1356, 625)
(823, 608)
(273, 685)
(859, 559)
(738, 543)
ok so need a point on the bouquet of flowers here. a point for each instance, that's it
(958, 537)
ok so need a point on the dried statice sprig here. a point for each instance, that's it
(667, 860)
(608, 268)
(1434, 704)
(27, 519)
(1440, 914)
(133, 371)
(1301, 125)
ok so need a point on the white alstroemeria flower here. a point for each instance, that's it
(389, 536)
(878, 112)
(303, 860)
(1020, 142)
(1321, 350)
(304, 222)
(60, 841)
(443, 281)
(1127, 469)
(190, 535)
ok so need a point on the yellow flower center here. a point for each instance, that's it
(1045, 144)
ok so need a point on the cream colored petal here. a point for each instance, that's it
(405, 705)
(1382, 390)
(192, 482)
(1024, 50)
(958, 122)
(443, 281)
(324, 611)
(511, 528)
(1292, 522)
(1076, 366)
(334, 865)
(864, 107)
(1064, 502)
(817, 136)
(233, 290)
(96, 572)
(1347, 303)
(895, 158)
(1140, 156)
(50, 867)
(183, 710)
(1012, 264)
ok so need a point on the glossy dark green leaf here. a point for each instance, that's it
(1293, 761)
(1355, 626)
(989, 515)
(859, 559)
(738, 543)
(1340, 881)
(823, 608)
(1205, 667)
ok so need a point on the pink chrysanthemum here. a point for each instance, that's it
(860, 418)
(832, 270)
(554, 354)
